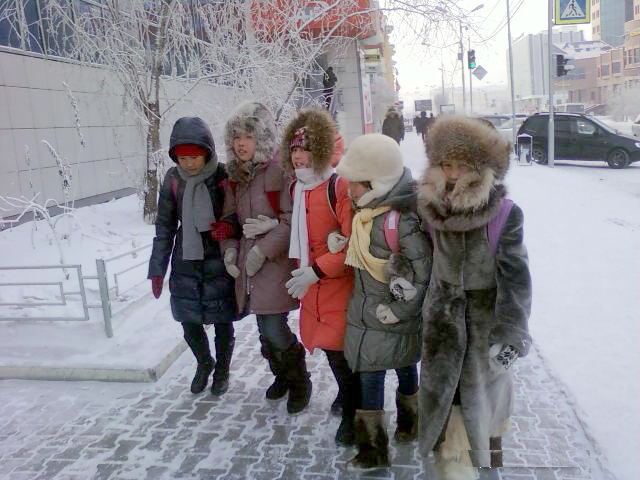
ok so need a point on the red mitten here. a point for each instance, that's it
(156, 286)
(221, 231)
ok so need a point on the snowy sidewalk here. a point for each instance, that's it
(162, 431)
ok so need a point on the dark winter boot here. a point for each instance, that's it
(495, 444)
(407, 421)
(371, 440)
(280, 386)
(224, 352)
(348, 396)
(336, 406)
(298, 377)
(199, 345)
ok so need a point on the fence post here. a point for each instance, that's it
(83, 293)
(104, 296)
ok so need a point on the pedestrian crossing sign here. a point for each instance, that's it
(571, 12)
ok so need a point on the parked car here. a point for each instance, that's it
(496, 119)
(635, 127)
(578, 137)
(506, 128)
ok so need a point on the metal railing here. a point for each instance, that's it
(102, 276)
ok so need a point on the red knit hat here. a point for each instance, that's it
(189, 150)
(299, 139)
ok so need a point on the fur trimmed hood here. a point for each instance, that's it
(255, 119)
(477, 194)
(320, 136)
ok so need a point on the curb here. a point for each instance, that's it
(94, 374)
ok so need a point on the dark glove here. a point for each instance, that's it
(503, 355)
(156, 286)
(221, 231)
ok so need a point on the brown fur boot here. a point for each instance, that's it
(407, 421)
(371, 440)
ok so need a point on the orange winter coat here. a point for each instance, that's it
(323, 312)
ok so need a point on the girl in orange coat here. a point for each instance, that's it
(320, 222)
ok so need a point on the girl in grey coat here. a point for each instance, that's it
(383, 319)
(476, 310)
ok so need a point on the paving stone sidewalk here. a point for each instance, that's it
(161, 431)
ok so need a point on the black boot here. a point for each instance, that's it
(495, 444)
(299, 379)
(371, 439)
(336, 406)
(224, 352)
(407, 417)
(280, 386)
(196, 338)
(348, 396)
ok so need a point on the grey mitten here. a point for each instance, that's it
(255, 227)
(336, 242)
(401, 275)
(502, 355)
(230, 258)
(255, 260)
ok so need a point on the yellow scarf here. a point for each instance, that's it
(358, 254)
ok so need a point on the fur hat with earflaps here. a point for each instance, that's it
(476, 195)
(312, 129)
(251, 118)
(373, 158)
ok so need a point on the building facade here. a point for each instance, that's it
(607, 21)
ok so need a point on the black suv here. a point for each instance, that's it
(579, 137)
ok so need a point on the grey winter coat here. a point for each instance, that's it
(201, 290)
(370, 345)
(474, 299)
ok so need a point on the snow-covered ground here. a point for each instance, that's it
(582, 230)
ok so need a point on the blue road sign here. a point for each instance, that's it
(571, 12)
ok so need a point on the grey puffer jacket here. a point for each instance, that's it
(201, 290)
(369, 345)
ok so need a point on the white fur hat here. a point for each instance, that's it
(373, 158)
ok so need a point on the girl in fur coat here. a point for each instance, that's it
(321, 222)
(257, 195)
(477, 306)
(383, 321)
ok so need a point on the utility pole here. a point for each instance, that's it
(552, 130)
(442, 72)
(513, 97)
(464, 87)
(470, 81)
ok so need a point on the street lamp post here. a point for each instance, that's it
(513, 98)
(470, 72)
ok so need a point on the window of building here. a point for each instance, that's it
(604, 69)
(616, 68)
(20, 25)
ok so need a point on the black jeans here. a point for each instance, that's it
(275, 329)
(196, 337)
(372, 386)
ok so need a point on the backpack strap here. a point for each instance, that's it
(174, 188)
(497, 223)
(391, 235)
(331, 194)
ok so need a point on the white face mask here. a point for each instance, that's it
(307, 175)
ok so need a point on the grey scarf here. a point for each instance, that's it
(197, 210)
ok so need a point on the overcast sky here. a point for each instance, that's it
(418, 66)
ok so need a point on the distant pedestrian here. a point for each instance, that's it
(329, 81)
(392, 125)
(476, 311)
(421, 125)
(188, 232)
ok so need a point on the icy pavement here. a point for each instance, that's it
(161, 431)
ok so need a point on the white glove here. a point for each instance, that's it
(385, 315)
(301, 280)
(255, 260)
(402, 289)
(230, 258)
(259, 226)
(336, 242)
(502, 356)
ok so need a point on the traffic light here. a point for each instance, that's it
(471, 57)
(561, 65)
